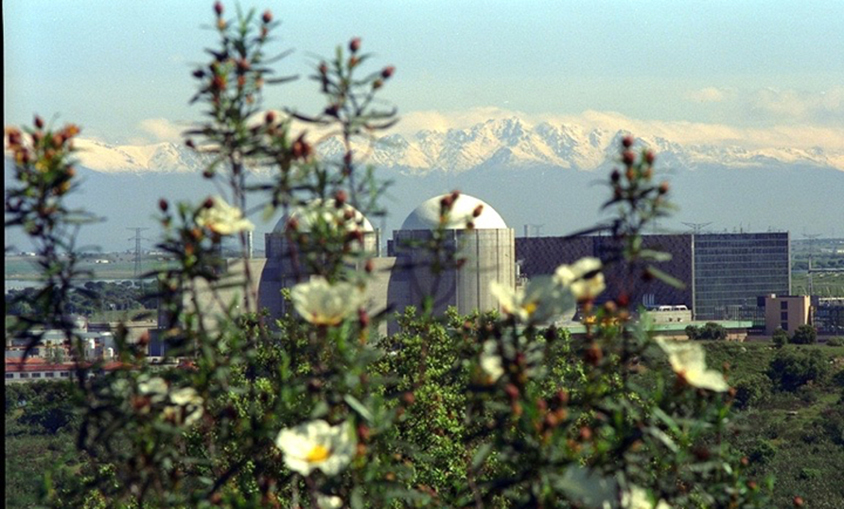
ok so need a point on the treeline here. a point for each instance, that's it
(90, 298)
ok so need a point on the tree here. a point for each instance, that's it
(805, 335)
(780, 337)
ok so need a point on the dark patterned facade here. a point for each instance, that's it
(723, 273)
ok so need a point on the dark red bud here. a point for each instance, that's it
(650, 157)
(369, 266)
(163, 205)
(628, 157)
(267, 17)
(208, 203)
(218, 8)
(354, 44)
(387, 72)
(340, 198)
(615, 176)
(627, 141)
(39, 122)
(363, 318)
(409, 398)
(478, 210)
(512, 391)
(269, 118)
(323, 68)
(663, 188)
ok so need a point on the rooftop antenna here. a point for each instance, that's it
(137, 238)
(697, 228)
(537, 229)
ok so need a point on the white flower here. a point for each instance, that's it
(156, 388)
(539, 301)
(223, 218)
(188, 407)
(688, 360)
(637, 498)
(328, 501)
(322, 303)
(583, 278)
(491, 361)
(317, 444)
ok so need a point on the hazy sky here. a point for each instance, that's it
(122, 69)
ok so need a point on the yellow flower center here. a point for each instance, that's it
(530, 308)
(318, 453)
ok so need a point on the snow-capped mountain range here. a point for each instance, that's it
(500, 143)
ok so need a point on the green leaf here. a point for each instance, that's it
(358, 407)
(481, 455)
(665, 278)
(654, 255)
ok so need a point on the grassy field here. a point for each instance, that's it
(825, 284)
(120, 267)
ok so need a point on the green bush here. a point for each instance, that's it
(805, 335)
(780, 337)
(752, 390)
(836, 341)
(793, 367)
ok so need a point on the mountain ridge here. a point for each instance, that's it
(495, 142)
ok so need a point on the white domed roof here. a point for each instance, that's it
(427, 215)
(307, 214)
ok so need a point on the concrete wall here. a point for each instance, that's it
(786, 312)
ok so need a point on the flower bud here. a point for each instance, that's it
(663, 188)
(218, 8)
(368, 267)
(478, 210)
(628, 157)
(585, 433)
(269, 118)
(199, 73)
(627, 141)
(650, 157)
(512, 391)
(615, 176)
(409, 398)
(354, 45)
(163, 205)
(387, 72)
(208, 203)
(340, 198)
(39, 122)
(267, 17)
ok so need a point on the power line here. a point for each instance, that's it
(137, 238)
(697, 228)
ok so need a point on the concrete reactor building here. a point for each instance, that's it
(473, 232)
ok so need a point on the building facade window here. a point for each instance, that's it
(24, 375)
(50, 375)
(783, 305)
(36, 375)
(784, 326)
(784, 316)
(10, 375)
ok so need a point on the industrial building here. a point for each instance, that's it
(725, 274)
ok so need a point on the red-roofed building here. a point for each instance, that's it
(35, 369)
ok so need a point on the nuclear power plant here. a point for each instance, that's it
(471, 232)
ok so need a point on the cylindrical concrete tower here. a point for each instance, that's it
(285, 254)
(488, 247)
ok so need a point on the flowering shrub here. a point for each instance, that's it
(318, 410)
